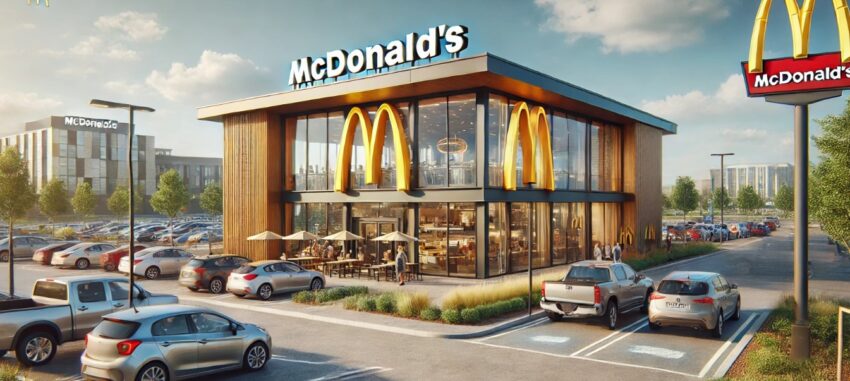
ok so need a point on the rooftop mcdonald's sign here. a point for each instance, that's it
(801, 72)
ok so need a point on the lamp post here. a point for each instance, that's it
(131, 189)
(722, 188)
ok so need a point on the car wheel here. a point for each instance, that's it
(265, 291)
(612, 315)
(718, 328)
(316, 284)
(152, 272)
(216, 286)
(256, 356)
(82, 264)
(109, 267)
(554, 316)
(36, 348)
(4, 256)
(653, 326)
(155, 371)
(645, 307)
(737, 314)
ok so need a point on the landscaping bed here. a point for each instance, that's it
(660, 256)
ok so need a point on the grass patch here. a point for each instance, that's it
(10, 372)
(328, 295)
(474, 296)
(411, 305)
(768, 356)
(661, 256)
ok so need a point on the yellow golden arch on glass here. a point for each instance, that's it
(528, 126)
(373, 140)
(801, 22)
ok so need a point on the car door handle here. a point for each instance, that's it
(83, 308)
(203, 341)
(165, 343)
(117, 305)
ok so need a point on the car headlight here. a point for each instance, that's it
(263, 330)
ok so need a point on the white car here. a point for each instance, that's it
(155, 261)
(81, 255)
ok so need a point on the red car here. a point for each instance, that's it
(45, 254)
(771, 225)
(109, 260)
(693, 234)
(759, 230)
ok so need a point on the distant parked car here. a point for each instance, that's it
(81, 255)
(110, 259)
(770, 225)
(172, 342)
(24, 247)
(694, 299)
(210, 272)
(266, 278)
(775, 221)
(156, 261)
(45, 254)
(760, 230)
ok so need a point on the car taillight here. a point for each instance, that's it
(250, 277)
(655, 296)
(200, 270)
(137, 261)
(543, 290)
(705, 300)
(597, 295)
(87, 341)
(126, 347)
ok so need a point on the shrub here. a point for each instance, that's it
(10, 372)
(386, 303)
(470, 316)
(451, 316)
(430, 314)
(660, 256)
(350, 303)
(474, 296)
(64, 233)
(771, 361)
(410, 305)
(306, 297)
(328, 294)
(366, 303)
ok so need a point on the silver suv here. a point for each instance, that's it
(694, 299)
(172, 342)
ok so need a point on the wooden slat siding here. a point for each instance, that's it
(642, 178)
(251, 183)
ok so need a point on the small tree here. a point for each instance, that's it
(170, 198)
(749, 200)
(84, 200)
(685, 196)
(832, 177)
(16, 197)
(53, 200)
(665, 202)
(211, 201)
(721, 198)
(119, 201)
(704, 201)
(785, 200)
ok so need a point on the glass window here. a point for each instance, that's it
(629, 272)
(605, 153)
(432, 238)
(120, 290)
(388, 164)
(619, 273)
(560, 227)
(335, 122)
(317, 151)
(606, 224)
(577, 149)
(497, 234)
(497, 124)
(172, 325)
(209, 323)
(462, 248)
(51, 290)
(560, 150)
(460, 144)
(299, 154)
(432, 130)
(520, 224)
(575, 233)
(533, 217)
(91, 292)
(317, 222)
(115, 329)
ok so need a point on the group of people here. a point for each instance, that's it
(608, 252)
(328, 251)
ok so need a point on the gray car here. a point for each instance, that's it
(694, 299)
(265, 278)
(24, 247)
(171, 343)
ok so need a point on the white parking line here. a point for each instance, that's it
(284, 358)
(607, 337)
(623, 336)
(522, 326)
(736, 351)
(353, 374)
(725, 345)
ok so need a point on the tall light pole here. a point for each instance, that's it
(131, 190)
(723, 193)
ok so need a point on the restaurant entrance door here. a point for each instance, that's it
(370, 228)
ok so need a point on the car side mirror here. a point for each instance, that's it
(734, 286)
(233, 328)
(141, 296)
(640, 277)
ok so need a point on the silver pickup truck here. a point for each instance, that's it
(596, 289)
(64, 309)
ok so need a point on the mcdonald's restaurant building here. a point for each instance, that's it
(480, 158)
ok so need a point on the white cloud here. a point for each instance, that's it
(76, 72)
(54, 53)
(746, 133)
(119, 52)
(217, 76)
(634, 25)
(729, 99)
(123, 87)
(88, 47)
(134, 26)
(18, 108)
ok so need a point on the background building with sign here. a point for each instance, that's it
(282, 154)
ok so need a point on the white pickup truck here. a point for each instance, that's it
(64, 309)
(596, 289)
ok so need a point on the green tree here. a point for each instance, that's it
(53, 200)
(784, 200)
(84, 200)
(749, 200)
(17, 196)
(721, 199)
(665, 202)
(171, 197)
(119, 202)
(211, 201)
(832, 176)
(704, 202)
(685, 196)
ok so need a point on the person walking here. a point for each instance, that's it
(618, 252)
(597, 252)
(400, 264)
(669, 242)
(607, 252)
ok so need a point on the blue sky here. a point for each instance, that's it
(678, 59)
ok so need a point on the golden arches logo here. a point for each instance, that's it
(801, 22)
(373, 140)
(627, 236)
(528, 126)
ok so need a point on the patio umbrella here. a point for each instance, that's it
(344, 235)
(395, 236)
(301, 236)
(265, 236)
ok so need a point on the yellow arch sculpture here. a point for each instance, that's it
(527, 127)
(373, 140)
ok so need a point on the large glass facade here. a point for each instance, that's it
(299, 154)
(462, 248)
(529, 226)
(433, 238)
(605, 228)
(317, 152)
(497, 239)
(605, 157)
(447, 244)
(497, 124)
(432, 129)
(567, 233)
(460, 144)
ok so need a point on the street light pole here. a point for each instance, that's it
(131, 189)
(723, 194)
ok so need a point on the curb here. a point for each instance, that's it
(489, 331)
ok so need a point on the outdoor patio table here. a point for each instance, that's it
(338, 266)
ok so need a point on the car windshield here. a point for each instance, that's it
(682, 287)
(245, 269)
(115, 329)
(589, 274)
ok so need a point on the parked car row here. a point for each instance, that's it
(692, 231)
